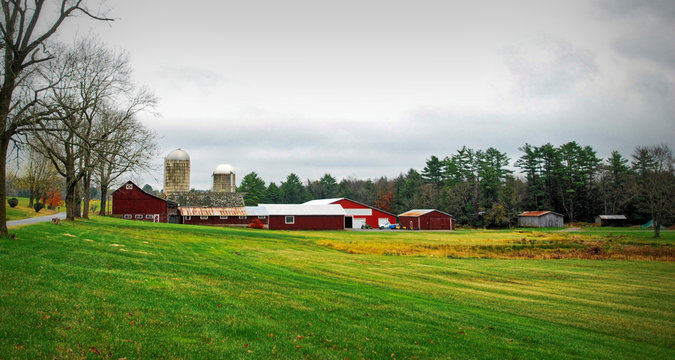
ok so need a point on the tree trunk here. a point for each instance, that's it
(86, 192)
(104, 198)
(70, 195)
(78, 199)
(4, 144)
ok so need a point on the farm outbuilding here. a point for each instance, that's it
(222, 216)
(540, 219)
(131, 202)
(358, 214)
(426, 219)
(611, 220)
(304, 217)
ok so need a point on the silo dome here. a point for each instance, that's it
(178, 154)
(223, 169)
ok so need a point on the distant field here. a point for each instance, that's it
(109, 288)
(22, 211)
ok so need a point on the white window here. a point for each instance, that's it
(139, 217)
(128, 216)
(148, 216)
(223, 218)
(243, 217)
(129, 187)
(290, 219)
(188, 218)
(203, 217)
(262, 217)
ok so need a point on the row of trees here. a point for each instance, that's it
(71, 109)
(480, 188)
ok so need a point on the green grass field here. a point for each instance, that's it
(108, 288)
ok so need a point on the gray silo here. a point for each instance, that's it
(224, 179)
(176, 172)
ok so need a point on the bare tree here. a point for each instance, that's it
(92, 83)
(24, 29)
(39, 178)
(128, 149)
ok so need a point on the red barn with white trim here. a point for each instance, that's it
(304, 217)
(426, 219)
(358, 214)
(131, 202)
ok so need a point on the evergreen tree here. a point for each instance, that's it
(254, 188)
(292, 191)
(272, 194)
(433, 171)
(329, 187)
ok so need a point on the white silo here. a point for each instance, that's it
(224, 178)
(176, 172)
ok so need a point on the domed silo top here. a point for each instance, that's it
(178, 154)
(223, 169)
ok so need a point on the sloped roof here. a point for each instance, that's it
(612, 217)
(322, 201)
(211, 211)
(334, 200)
(302, 209)
(207, 199)
(121, 188)
(420, 212)
(537, 213)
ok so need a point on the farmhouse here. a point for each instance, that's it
(131, 202)
(358, 214)
(610, 220)
(304, 217)
(540, 219)
(426, 219)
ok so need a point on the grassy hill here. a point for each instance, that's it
(123, 289)
(22, 211)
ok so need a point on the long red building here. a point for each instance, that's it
(426, 219)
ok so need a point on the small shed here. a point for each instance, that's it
(304, 217)
(132, 203)
(540, 219)
(426, 219)
(358, 214)
(611, 220)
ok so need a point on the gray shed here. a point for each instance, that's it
(611, 220)
(540, 219)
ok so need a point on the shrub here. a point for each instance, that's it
(256, 224)
(13, 202)
(38, 206)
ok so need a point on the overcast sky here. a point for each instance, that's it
(373, 88)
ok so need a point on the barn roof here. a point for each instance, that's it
(420, 212)
(302, 209)
(121, 188)
(334, 200)
(212, 211)
(612, 217)
(537, 213)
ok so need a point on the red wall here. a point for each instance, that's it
(216, 220)
(308, 222)
(136, 202)
(431, 221)
(370, 220)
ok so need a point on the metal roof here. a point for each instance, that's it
(256, 211)
(537, 213)
(302, 209)
(420, 212)
(612, 217)
(212, 211)
(322, 201)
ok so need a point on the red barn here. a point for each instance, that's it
(358, 214)
(304, 217)
(131, 202)
(426, 219)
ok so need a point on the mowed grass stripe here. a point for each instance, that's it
(234, 293)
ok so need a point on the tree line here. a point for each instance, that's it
(481, 188)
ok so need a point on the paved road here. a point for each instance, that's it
(35, 220)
